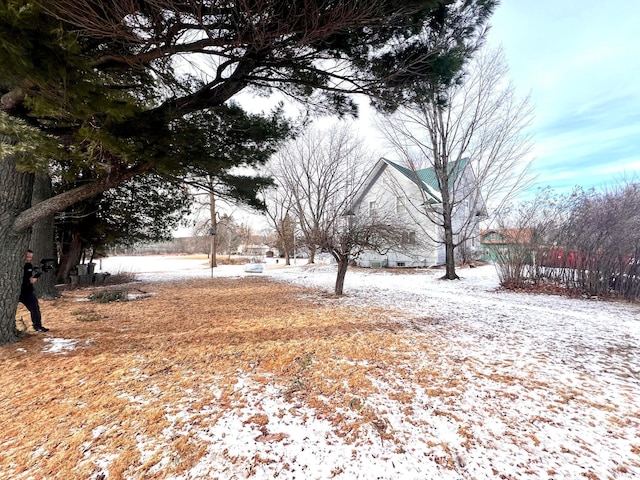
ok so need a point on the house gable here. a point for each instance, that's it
(425, 179)
(369, 182)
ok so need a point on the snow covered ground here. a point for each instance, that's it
(551, 385)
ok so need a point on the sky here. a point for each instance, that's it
(579, 63)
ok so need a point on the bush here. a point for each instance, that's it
(106, 296)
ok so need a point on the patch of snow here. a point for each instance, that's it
(60, 345)
(568, 410)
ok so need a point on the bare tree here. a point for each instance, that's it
(585, 242)
(278, 202)
(320, 169)
(528, 229)
(472, 136)
(602, 242)
(245, 235)
(348, 235)
(228, 238)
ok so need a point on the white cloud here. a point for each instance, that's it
(578, 62)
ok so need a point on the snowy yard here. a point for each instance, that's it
(485, 384)
(573, 402)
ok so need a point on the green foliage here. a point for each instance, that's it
(110, 88)
(52, 65)
(31, 148)
(445, 42)
(145, 209)
(107, 296)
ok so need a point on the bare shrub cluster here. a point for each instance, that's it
(587, 242)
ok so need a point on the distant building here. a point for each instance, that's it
(254, 250)
(497, 242)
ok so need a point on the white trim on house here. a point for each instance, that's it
(390, 190)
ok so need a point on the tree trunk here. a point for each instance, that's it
(343, 264)
(70, 258)
(312, 254)
(450, 261)
(287, 253)
(15, 197)
(213, 261)
(42, 240)
(447, 221)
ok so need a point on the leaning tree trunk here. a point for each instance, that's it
(15, 197)
(343, 264)
(42, 239)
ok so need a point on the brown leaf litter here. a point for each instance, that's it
(61, 411)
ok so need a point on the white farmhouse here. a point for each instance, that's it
(411, 200)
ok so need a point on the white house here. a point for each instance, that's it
(411, 199)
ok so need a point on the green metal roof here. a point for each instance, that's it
(426, 177)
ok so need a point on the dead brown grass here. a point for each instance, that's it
(138, 363)
(136, 359)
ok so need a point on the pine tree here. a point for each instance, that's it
(99, 83)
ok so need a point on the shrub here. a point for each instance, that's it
(106, 296)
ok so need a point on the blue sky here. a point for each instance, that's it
(580, 62)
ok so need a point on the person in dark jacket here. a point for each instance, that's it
(28, 295)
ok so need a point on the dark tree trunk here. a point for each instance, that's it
(70, 258)
(450, 259)
(42, 239)
(15, 197)
(449, 245)
(343, 264)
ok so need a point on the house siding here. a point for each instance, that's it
(389, 190)
(394, 193)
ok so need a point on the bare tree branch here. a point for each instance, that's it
(480, 122)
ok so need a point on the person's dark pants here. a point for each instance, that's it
(31, 302)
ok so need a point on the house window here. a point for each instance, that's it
(408, 238)
(400, 205)
(372, 208)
